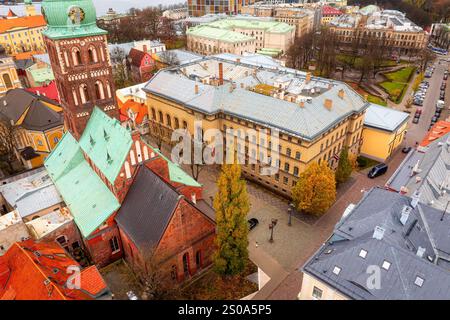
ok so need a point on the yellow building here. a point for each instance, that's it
(22, 34)
(316, 117)
(8, 73)
(383, 133)
(38, 125)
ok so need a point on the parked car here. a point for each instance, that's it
(443, 85)
(445, 76)
(434, 119)
(440, 104)
(415, 120)
(378, 170)
(252, 223)
(442, 95)
(418, 112)
(132, 296)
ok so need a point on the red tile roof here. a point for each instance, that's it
(327, 11)
(50, 91)
(11, 14)
(137, 56)
(22, 22)
(440, 129)
(39, 271)
(134, 106)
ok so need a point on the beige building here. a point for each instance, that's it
(400, 34)
(8, 73)
(302, 19)
(240, 35)
(316, 117)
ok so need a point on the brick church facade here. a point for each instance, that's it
(98, 161)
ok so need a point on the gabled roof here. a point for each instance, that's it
(139, 110)
(22, 22)
(106, 142)
(38, 271)
(50, 91)
(147, 208)
(30, 111)
(88, 198)
(393, 248)
(384, 118)
(440, 129)
(137, 56)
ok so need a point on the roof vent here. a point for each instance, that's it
(328, 104)
(91, 140)
(105, 134)
(420, 252)
(378, 233)
(308, 77)
(405, 214)
(415, 199)
(341, 93)
(196, 89)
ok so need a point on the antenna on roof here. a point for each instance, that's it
(445, 210)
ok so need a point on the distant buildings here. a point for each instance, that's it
(22, 35)
(294, 15)
(384, 131)
(199, 8)
(316, 117)
(389, 247)
(328, 13)
(389, 27)
(112, 17)
(239, 35)
(176, 14)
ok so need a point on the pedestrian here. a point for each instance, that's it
(256, 244)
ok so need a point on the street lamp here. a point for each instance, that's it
(271, 227)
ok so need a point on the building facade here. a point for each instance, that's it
(199, 8)
(19, 35)
(80, 60)
(9, 78)
(239, 35)
(285, 100)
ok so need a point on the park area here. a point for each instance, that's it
(397, 83)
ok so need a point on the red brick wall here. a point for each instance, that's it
(188, 231)
(70, 231)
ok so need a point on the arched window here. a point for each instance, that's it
(7, 81)
(153, 114)
(108, 89)
(84, 93)
(76, 56)
(92, 53)
(75, 97)
(198, 259)
(168, 120)
(99, 92)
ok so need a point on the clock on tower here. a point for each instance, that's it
(78, 51)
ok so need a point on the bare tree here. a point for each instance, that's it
(169, 57)
(8, 143)
(301, 52)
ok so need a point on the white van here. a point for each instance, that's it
(440, 104)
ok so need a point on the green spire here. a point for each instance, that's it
(70, 19)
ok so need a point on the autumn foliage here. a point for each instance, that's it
(315, 190)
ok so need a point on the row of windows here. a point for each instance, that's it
(168, 120)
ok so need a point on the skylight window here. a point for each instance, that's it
(419, 281)
(336, 270)
(386, 265)
(363, 253)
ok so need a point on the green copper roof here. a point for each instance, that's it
(70, 19)
(42, 75)
(268, 26)
(85, 194)
(106, 143)
(177, 174)
(224, 35)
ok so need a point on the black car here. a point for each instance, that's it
(415, 120)
(252, 223)
(378, 170)
(406, 149)
(434, 119)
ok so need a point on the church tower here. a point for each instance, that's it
(79, 57)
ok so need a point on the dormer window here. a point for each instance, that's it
(336, 270)
(106, 135)
(419, 281)
(363, 253)
(108, 158)
(91, 140)
(386, 265)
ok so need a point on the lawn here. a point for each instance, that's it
(376, 100)
(397, 83)
(210, 286)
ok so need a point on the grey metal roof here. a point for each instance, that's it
(177, 84)
(182, 56)
(147, 208)
(31, 194)
(427, 171)
(398, 246)
(384, 118)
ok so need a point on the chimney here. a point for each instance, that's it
(302, 104)
(328, 104)
(242, 85)
(196, 89)
(341, 93)
(194, 198)
(405, 214)
(378, 233)
(420, 252)
(220, 73)
(144, 48)
(38, 93)
(238, 60)
(415, 199)
(366, 96)
(308, 77)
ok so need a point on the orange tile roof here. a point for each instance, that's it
(92, 281)
(39, 271)
(136, 107)
(26, 55)
(22, 22)
(440, 129)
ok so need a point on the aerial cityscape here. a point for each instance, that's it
(225, 150)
